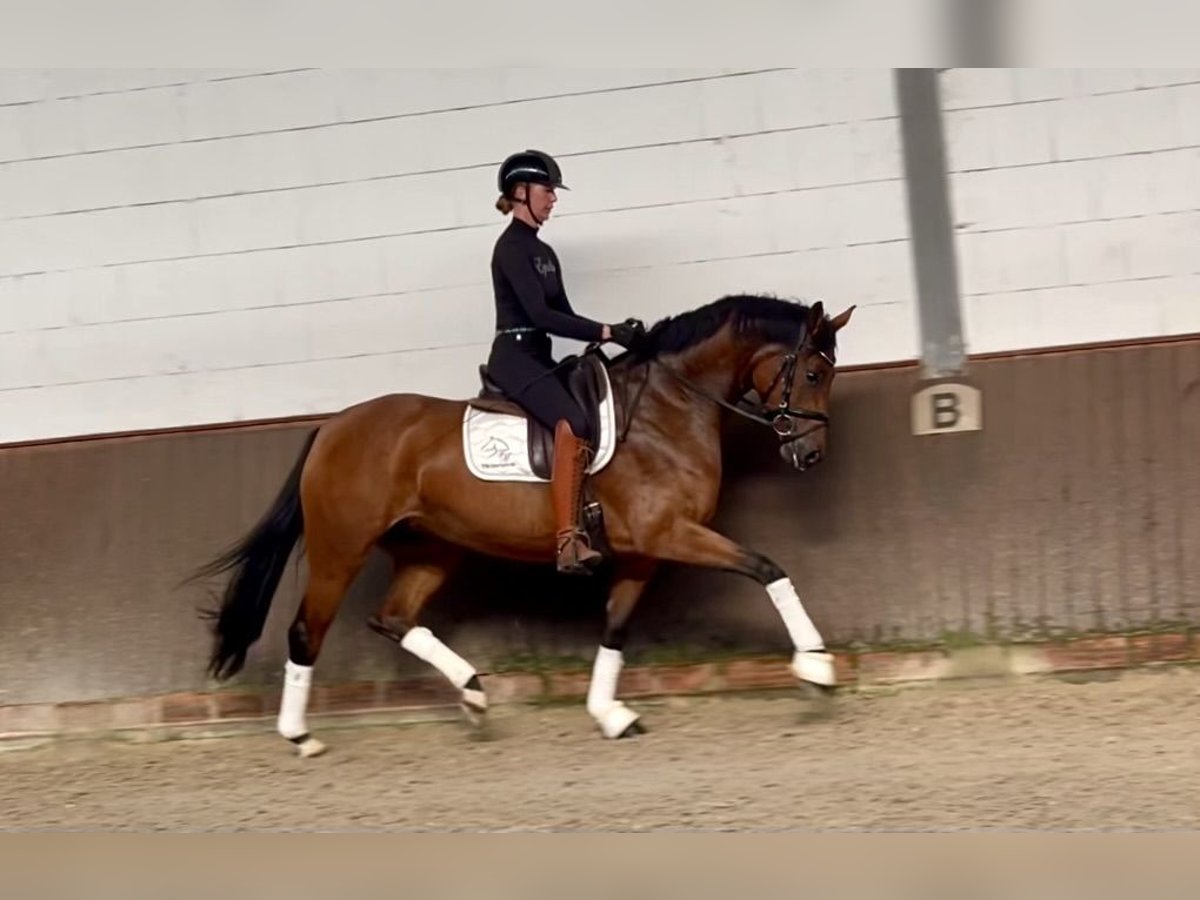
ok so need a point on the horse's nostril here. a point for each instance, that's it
(812, 457)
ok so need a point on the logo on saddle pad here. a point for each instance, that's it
(497, 444)
(496, 450)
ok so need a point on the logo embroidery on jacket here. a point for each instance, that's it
(544, 266)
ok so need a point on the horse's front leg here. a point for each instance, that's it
(692, 543)
(616, 720)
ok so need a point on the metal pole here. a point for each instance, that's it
(930, 222)
(978, 31)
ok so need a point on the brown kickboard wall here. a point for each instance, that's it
(1075, 510)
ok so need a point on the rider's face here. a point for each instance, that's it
(541, 200)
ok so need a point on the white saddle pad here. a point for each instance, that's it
(496, 445)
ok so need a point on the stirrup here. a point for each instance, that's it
(575, 555)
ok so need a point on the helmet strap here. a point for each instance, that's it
(525, 202)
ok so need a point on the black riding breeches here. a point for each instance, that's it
(521, 364)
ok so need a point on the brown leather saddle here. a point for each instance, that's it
(584, 378)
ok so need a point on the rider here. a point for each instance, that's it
(531, 305)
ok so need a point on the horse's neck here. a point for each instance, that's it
(715, 367)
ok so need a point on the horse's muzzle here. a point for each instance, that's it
(805, 451)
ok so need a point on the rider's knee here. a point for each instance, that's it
(580, 427)
(584, 432)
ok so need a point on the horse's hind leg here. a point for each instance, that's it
(422, 567)
(330, 575)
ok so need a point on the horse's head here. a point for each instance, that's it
(793, 383)
(780, 350)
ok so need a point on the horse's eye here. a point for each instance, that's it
(813, 377)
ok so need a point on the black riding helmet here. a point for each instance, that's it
(532, 166)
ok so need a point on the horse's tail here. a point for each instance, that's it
(257, 561)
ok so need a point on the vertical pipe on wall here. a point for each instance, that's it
(930, 222)
(979, 33)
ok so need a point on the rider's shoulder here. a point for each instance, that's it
(504, 240)
(512, 240)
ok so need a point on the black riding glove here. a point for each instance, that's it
(630, 334)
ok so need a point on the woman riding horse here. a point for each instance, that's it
(390, 474)
(532, 305)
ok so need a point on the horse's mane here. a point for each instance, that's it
(767, 318)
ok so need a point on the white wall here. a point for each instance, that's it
(188, 247)
(1077, 200)
(192, 246)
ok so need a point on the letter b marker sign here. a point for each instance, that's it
(946, 408)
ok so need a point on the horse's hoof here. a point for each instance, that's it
(815, 667)
(476, 718)
(480, 727)
(474, 707)
(818, 703)
(308, 747)
(635, 729)
(618, 721)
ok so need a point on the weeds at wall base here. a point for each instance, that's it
(559, 680)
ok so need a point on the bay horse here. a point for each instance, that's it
(391, 472)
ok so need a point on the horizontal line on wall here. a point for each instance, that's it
(244, 76)
(315, 418)
(950, 110)
(449, 228)
(481, 284)
(347, 123)
(1170, 213)
(1075, 159)
(316, 185)
(248, 367)
(289, 421)
(1082, 284)
(1091, 347)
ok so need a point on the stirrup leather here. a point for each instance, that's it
(571, 457)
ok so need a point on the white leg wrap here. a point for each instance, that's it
(815, 666)
(606, 672)
(803, 633)
(297, 682)
(611, 714)
(810, 662)
(422, 644)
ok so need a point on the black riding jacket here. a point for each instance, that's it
(527, 280)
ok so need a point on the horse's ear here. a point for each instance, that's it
(839, 322)
(816, 315)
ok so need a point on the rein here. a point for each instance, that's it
(779, 419)
(782, 418)
(630, 410)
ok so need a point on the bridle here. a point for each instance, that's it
(781, 418)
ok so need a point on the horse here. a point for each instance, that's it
(390, 472)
